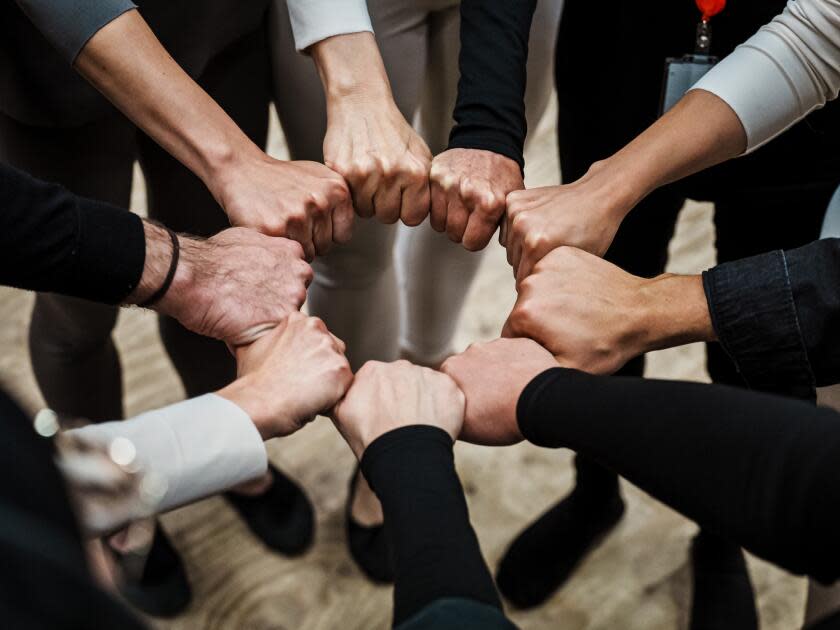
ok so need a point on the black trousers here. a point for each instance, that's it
(73, 355)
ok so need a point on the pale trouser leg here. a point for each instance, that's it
(435, 275)
(355, 287)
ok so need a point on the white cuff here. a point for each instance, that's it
(198, 447)
(316, 20)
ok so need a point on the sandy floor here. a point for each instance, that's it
(637, 579)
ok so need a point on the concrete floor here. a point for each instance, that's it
(638, 579)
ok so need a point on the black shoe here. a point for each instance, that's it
(546, 553)
(368, 545)
(282, 517)
(723, 594)
(162, 589)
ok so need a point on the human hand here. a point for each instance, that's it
(469, 187)
(232, 286)
(303, 201)
(368, 141)
(387, 396)
(492, 376)
(594, 317)
(290, 375)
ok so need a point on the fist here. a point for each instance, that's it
(492, 376)
(236, 284)
(469, 187)
(290, 375)
(385, 162)
(304, 201)
(387, 396)
(541, 219)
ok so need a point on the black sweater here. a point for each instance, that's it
(52, 240)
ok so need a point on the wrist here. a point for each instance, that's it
(616, 184)
(184, 293)
(158, 260)
(351, 70)
(248, 396)
(674, 312)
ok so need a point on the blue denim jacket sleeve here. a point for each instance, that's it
(777, 315)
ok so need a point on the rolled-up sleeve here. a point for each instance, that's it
(783, 72)
(69, 24)
(196, 448)
(751, 302)
(316, 20)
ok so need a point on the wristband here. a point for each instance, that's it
(170, 275)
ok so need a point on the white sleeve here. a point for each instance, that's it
(783, 72)
(315, 20)
(197, 448)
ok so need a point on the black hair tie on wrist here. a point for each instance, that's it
(170, 275)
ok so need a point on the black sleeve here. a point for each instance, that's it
(434, 549)
(760, 470)
(54, 241)
(778, 317)
(490, 110)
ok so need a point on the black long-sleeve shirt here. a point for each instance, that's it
(778, 317)
(761, 470)
(441, 579)
(54, 241)
(490, 110)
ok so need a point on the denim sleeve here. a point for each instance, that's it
(69, 24)
(814, 272)
(751, 302)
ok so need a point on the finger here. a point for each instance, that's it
(387, 202)
(301, 232)
(322, 233)
(514, 250)
(503, 230)
(437, 210)
(363, 193)
(338, 344)
(525, 267)
(457, 217)
(342, 221)
(415, 204)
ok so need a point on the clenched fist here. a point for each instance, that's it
(290, 375)
(387, 396)
(469, 188)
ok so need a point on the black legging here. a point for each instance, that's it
(760, 470)
(73, 355)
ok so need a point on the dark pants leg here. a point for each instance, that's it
(73, 355)
(238, 80)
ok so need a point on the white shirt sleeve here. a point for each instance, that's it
(316, 20)
(783, 72)
(194, 448)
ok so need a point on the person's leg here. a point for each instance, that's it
(73, 355)
(275, 508)
(545, 555)
(355, 289)
(434, 275)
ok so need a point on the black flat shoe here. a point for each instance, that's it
(282, 517)
(162, 589)
(368, 545)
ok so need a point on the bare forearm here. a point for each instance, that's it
(699, 132)
(351, 67)
(675, 312)
(126, 62)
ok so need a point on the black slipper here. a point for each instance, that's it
(368, 545)
(162, 589)
(282, 517)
